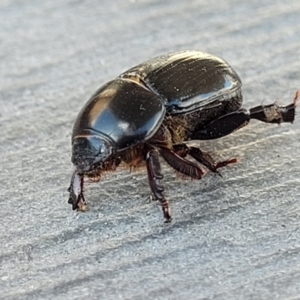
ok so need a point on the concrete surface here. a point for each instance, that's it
(235, 237)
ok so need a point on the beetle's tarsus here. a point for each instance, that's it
(274, 113)
(166, 211)
(225, 163)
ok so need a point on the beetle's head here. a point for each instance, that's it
(90, 151)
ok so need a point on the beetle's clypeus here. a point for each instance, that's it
(152, 110)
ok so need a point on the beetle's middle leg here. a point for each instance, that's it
(180, 164)
(154, 177)
(202, 157)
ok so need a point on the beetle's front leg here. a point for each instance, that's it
(154, 177)
(75, 189)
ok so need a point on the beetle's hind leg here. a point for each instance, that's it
(154, 177)
(223, 126)
(202, 157)
(228, 123)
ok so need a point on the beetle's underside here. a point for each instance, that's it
(170, 143)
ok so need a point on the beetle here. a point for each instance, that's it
(153, 110)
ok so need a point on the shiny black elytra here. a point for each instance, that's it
(154, 109)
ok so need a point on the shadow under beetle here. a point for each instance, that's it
(153, 110)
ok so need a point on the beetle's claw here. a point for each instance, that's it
(166, 211)
(219, 174)
(81, 204)
(78, 203)
(296, 98)
(167, 216)
(169, 220)
(70, 201)
(73, 200)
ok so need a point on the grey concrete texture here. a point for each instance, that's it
(235, 237)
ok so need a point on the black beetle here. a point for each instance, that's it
(154, 109)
